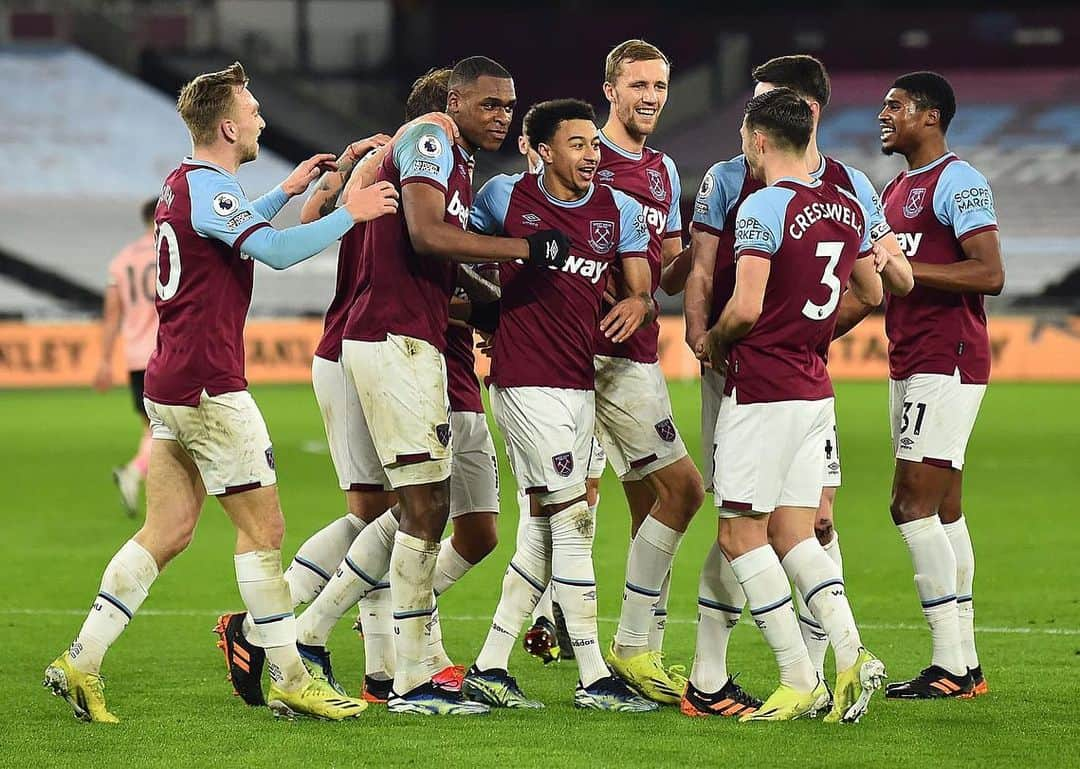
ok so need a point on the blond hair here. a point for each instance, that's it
(207, 99)
(630, 51)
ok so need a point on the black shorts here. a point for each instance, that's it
(136, 378)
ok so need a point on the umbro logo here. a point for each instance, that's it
(531, 220)
(605, 175)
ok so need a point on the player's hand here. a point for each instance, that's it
(548, 248)
(716, 352)
(696, 343)
(880, 256)
(626, 317)
(307, 172)
(440, 119)
(103, 377)
(367, 203)
(356, 151)
(486, 344)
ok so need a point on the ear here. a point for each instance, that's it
(933, 117)
(545, 153)
(523, 146)
(609, 92)
(759, 142)
(229, 130)
(453, 101)
(815, 110)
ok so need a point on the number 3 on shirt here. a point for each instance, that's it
(167, 235)
(830, 250)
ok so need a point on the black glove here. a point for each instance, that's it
(548, 248)
(484, 316)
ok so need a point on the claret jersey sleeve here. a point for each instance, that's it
(633, 234)
(220, 210)
(759, 222)
(488, 214)
(425, 154)
(963, 201)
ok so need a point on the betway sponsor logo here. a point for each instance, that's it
(815, 212)
(909, 242)
(590, 269)
(655, 219)
(457, 210)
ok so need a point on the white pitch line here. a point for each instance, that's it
(211, 613)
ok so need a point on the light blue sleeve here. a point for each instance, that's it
(759, 223)
(963, 199)
(425, 152)
(633, 233)
(488, 214)
(219, 208)
(284, 248)
(876, 223)
(674, 218)
(269, 204)
(720, 188)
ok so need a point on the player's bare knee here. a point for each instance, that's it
(906, 506)
(824, 531)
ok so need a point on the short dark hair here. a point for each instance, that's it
(468, 71)
(929, 90)
(428, 93)
(784, 115)
(147, 210)
(800, 72)
(543, 119)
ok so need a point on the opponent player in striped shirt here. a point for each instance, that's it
(208, 434)
(942, 210)
(129, 312)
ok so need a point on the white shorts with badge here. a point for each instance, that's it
(712, 395)
(474, 474)
(351, 449)
(401, 384)
(633, 412)
(224, 435)
(768, 455)
(549, 437)
(932, 418)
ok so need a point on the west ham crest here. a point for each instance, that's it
(656, 185)
(442, 432)
(269, 454)
(666, 430)
(601, 235)
(914, 205)
(563, 463)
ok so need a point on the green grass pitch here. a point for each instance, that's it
(61, 522)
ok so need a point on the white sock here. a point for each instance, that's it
(935, 580)
(544, 607)
(769, 595)
(412, 572)
(575, 583)
(819, 582)
(269, 604)
(720, 604)
(449, 568)
(318, 558)
(377, 619)
(651, 554)
(526, 578)
(960, 539)
(360, 572)
(124, 586)
(659, 623)
(814, 635)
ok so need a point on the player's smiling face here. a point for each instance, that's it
(571, 158)
(900, 121)
(639, 94)
(247, 125)
(483, 111)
